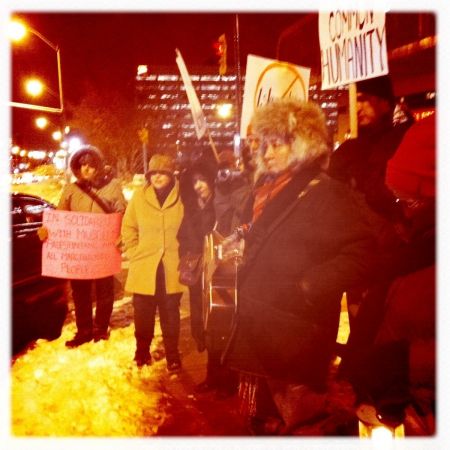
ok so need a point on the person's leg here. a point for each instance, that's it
(169, 317)
(105, 301)
(81, 294)
(196, 315)
(144, 324)
(169, 314)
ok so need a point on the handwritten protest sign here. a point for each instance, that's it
(267, 79)
(352, 46)
(80, 245)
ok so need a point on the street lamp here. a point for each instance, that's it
(34, 87)
(57, 135)
(224, 110)
(41, 122)
(17, 31)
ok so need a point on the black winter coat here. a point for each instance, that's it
(361, 163)
(197, 223)
(283, 331)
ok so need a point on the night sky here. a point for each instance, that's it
(104, 49)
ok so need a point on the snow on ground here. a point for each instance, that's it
(93, 390)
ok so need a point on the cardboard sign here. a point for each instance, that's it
(267, 79)
(352, 46)
(81, 246)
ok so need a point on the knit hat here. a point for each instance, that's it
(161, 163)
(379, 87)
(411, 172)
(87, 154)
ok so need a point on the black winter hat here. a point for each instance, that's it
(379, 87)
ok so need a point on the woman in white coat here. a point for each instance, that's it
(149, 234)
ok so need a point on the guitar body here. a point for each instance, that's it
(219, 294)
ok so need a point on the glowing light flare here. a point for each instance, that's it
(41, 122)
(224, 110)
(74, 144)
(142, 69)
(16, 31)
(37, 154)
(15, 150)
(382, 438)
(34, 87)
(57, 135)
(23, 153)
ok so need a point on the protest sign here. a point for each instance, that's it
(81, 245)
(267, 79)
(352, 46)
(196, 109)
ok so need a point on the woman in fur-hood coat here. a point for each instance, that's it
(307, 243)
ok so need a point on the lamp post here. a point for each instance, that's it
(17, 31)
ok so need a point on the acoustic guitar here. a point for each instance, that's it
(222, 257)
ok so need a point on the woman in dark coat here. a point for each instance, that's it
(306, 245)
(199, 220)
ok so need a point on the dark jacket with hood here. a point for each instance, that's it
(321, 242)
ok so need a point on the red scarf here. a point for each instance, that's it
(268, 190)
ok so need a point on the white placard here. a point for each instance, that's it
(266, 79)
(196, 109)
(81, 246)
(352, 46)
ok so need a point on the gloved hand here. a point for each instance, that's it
(42, 233)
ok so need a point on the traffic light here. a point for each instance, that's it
(220, 48)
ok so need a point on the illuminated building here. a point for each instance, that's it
(161, 99)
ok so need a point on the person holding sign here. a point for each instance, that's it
(306, 244)
(93, 192)
(149, 235)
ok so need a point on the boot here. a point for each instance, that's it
(79, 339)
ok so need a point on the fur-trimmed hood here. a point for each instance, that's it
(302, 124)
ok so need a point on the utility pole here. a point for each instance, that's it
(237, 60)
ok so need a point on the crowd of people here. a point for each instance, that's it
(316, 224)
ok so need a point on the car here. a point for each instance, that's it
(39, 304)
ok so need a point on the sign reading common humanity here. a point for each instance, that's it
(352, 46)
